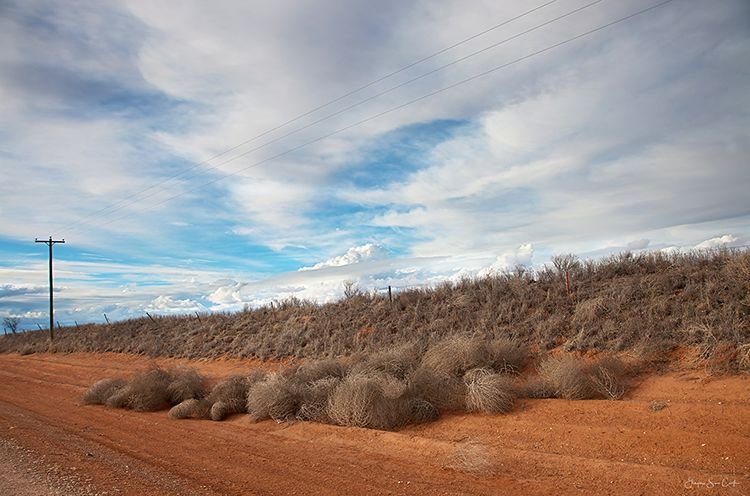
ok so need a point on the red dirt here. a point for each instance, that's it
(52, 444)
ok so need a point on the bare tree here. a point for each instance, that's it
(351, 290)
(11, 323)
(565, 263)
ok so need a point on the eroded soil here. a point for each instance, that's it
(698, 443)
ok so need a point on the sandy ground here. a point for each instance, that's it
(52, 444)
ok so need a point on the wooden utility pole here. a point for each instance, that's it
(50, 243)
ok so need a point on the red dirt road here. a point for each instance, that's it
(51, 444)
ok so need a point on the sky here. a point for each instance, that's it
(213, 156)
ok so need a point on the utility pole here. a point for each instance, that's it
(50, 243)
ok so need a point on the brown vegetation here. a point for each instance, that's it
(645, 301)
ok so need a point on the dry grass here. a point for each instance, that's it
(277, 397)
(149, 390)
(369, 400)
(102, 390)
(567, 377)
(471, 457)
(488, 392)
(620, 303)
(186, 384)
(445, 392)
(189, 408)
(456, 355)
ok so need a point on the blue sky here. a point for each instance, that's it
(632, 138)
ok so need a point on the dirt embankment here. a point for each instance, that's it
(677, 434)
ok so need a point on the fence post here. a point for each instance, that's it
(150, 317)
(105, 318)
(390, 295)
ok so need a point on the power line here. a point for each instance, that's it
(309, 112)
(403, 105)
(377, 95)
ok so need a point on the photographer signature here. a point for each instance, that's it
(694, 484)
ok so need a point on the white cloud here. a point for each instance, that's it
(353, 255)
(523, 256)
(168, 304)
(717, 242)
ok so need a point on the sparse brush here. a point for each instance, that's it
(608, 378)
(457, 355)
(443, 391)
(314, 370)
(535, 388)
(315, 395)
(507, 356)
(186, 409)
(186, 384)
(365, 400)
(119, 399)
(398, 362)
(567, 376)
(471, 457)
(149, 390)
(102, 390)
(488, 392)
(229, 396)
(221, 410)
(277, 397)
(421, 411)
(657, 405)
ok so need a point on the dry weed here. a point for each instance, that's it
(277, 397)
(567, 376)
(608, 378)
(456, 355)
(488, 392)
(366, 400)
(471, 457)
(102, 390)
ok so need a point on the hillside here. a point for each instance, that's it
(644, 303)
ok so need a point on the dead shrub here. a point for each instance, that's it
(313, 370)
(657, 405)
(397, 362)
(102, 390)
(190, 408)
(608, 378)
(507, 356)
(471, 457)
(186, 384)
(315, 395)
(149, 390)
(441, 390)
(488, 392)
(567, 377)
(421, 411)
(366, 400)
(535, 388)
(277, 397)
(457, 355)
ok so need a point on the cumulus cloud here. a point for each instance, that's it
(353, 255)
(717, 242)
(169, 304)
(522, 256)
